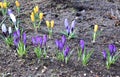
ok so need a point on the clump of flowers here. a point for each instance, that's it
(95, 33)
(36, 17)
(40, 48)
(7, 35)
(3, 6)
(83, 54)
(17, 3)
(20, 42)
(70, 32)
(63, 52)
(50, 25)
(111, 55)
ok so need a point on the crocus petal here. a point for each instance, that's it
(24, 38)
(66, 23)
(4, 29)
(82, 45)
(104, 54)
(66, 51)
(18, 33)
(41, 41)
(68, 30)
(72, 25)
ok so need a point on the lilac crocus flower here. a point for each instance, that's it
(82, 45)
(12, 16)
(112, 49)
(44, 40)
(63, 39)
(66, 51)
(24, 38)
(57, 43)
(72, 25)
(104, 54)
(66, 23)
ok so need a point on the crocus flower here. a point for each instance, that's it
(24, 38)
(57, 43)
(112, 49)
(16, 39)
(60, 45)
(95, 28)
(41, 16)
(104, 55)
(33, 41)
(72, 25)
(82, 45)
(9, 30)
(17, 3)
(40, 41)
(5, 5)
(12, 16)
(63, 39)
(44, 40)
(66, 51)
(4, 29)
(66, 23)
(48, 24)
(52, 23)
(32, 16)
(36, 9)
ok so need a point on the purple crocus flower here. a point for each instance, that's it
(66, 51)
(63, 39)
(40, 41)
(82, 45)
(24, 38)
(72, 25)
(68, 30)
(33, 41)
(16, 37)
(66, 23)
(44, 40)
(104, 54)
(60, 45)
(112, 49)
(57, 43)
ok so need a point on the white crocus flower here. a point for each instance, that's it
(12, 16)
(4, 29)
(10, 30)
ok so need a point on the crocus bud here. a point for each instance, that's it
(10, 30)
(66, 51)
(41, 16)
(104, 54)
(4, 29)
(32, 18)
(17, 3)
(12, 16)
(82, 45)
(52, 23)
(95, 28)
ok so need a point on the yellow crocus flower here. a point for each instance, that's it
(48, 24)
(52, 23)
(36, 9)
(17, 3)
(4, 5)
(32, 18)
(95, 28)
(41, 16)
